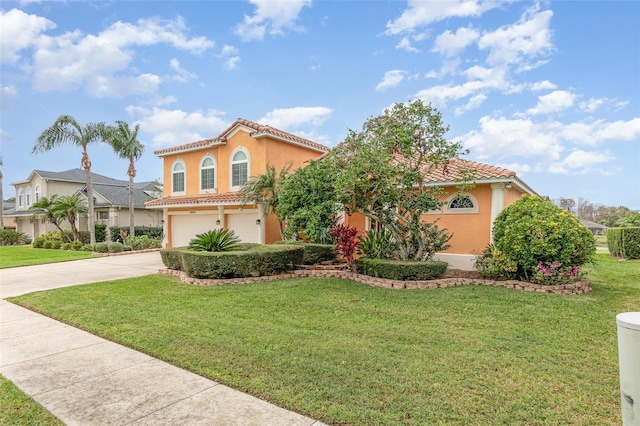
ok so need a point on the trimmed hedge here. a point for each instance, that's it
(253, 262)
(624, 242)
(403, 270)
(314, 253)
(151, 231)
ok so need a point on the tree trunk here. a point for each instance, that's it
(86, 164)
(132, 173)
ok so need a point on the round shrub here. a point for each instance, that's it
(533, 231)
(56, 245)
(102, 247)
(66, 246)
(115, 247)
(77, 245)
(38, 242)
(47, 244)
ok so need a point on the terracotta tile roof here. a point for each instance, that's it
(259, 130)
(457, 168)
(200, 199)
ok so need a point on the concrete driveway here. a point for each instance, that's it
(85, 380)
(27, 279)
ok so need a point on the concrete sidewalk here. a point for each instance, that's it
(86, 380)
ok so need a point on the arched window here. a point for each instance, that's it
(207, 174)
(239, 169)
(38, 193)
(178, 178)
(461, 203)
(20, 198)
(28, 197)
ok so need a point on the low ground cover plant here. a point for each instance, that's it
(346, 353)
(11, 237)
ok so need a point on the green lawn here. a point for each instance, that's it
(12, 256)
(18, 409)
(346, 353)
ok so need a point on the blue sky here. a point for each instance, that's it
(548, 89)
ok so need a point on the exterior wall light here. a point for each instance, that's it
(257, 221)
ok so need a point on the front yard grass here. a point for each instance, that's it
(12, 256)
(346, 353)
(17, 409)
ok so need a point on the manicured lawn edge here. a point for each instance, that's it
(581, 287)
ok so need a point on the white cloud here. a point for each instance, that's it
(420, 13)
(555, 101)
(405, 44)
(231, 56)
(176, 127)
(8, 95)
(503, 138)
(519, 168)
(542, 85)
(449, 44)
(271, 17)
(474, 103)
(181, 75)
(391, 79)
(20, 31)
(287, 118)
(581, 162)
(518, 43)
(99, 63)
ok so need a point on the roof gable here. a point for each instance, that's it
(255, 130)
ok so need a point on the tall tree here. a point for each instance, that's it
(69, 208)
(382, 173)
(265, 189)
(67, 130)
(125, 143)
(47, 207)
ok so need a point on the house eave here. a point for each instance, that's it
(214, 143)
(506, 180)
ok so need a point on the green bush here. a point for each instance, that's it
(263, 260)
(11, 237)
(102, 247)
(314, 253)
(403, 270)
(377, 245)
(101, 232)
(534, 231)
(66, 246)
(172, 258)
(624, 242)
(495, 265)
(87, 247)
(47, 244)
(113, 247)
(77, 245)
(150, 231)
(142, 242)
(56, 245)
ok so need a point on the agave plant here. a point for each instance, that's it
(214, 240)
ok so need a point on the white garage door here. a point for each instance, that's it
(184, 228)
(244, 226)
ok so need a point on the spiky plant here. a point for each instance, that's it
(214, 240)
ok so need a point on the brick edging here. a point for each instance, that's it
(580, 287)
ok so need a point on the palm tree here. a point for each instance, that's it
(126, 144)
(47, 208)
(67, 130)
(265, 189)
(69, 207)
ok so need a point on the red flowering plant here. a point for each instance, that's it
(346, 241)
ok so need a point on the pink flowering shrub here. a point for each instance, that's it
(555, 274)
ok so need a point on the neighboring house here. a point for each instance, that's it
(468, 215)
(594, 227)
(111, 200)
(8, 222)
(202, 180)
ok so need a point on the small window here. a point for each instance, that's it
(239, 169)
(178, 178)
(102, 215)
(21, 198)
(207, 174)
(461, 204)
(28, 197)
(38, 193)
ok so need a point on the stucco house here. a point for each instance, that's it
(111, 200)
(468, 215)
(202, 181)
